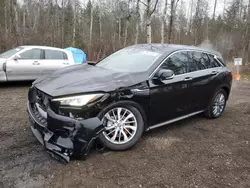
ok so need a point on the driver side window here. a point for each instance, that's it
(31, 54)
(178, 63)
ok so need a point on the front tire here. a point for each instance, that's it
(217, 105)
(124, 126)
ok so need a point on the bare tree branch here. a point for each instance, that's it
(51, 22)
(154, 7)
(143, 3)
(176, 4)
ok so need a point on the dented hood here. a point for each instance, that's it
(86, 78)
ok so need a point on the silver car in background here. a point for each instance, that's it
(31, 62)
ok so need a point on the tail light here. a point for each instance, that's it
(230, 73)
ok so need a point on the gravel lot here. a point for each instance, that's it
(192, 153)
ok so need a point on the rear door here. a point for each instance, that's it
(217, 72)
(27, 67)
(203, 73)
(54, 60)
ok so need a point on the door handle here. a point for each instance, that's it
(36, 63)
(66, 63)
(214, 72)
(188, 79)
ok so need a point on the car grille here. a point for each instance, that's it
(43, 100)
(38, 116)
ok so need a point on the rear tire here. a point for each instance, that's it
(217, 105)
(124, 126)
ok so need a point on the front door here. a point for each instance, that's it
(170, 98)
(26, 67)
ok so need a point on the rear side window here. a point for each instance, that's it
(31, 54)
(177, 62)
(221, 61)
(54, 54)
(201, 61)
(65, 56)
(214, 62)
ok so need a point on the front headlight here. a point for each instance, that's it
(79, 100)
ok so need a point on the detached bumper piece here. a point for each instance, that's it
(63, 137)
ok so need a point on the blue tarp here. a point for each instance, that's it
(78, 55)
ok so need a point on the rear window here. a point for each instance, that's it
(55, 54)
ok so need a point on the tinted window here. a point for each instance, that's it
(198, 61)
(31, 54)
(201, 61)
(213, 62)
(221, 61)
(54, 54)
(65, 56)
(177, 62)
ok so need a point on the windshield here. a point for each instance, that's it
(130, 60)
(10, 53)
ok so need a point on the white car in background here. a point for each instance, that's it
(31, 62)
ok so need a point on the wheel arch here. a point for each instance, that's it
(227, 89)
(132, 103)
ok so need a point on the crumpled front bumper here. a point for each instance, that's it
(64, 137)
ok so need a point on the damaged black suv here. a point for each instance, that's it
(131, 91)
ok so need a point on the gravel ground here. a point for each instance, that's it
(192, 153)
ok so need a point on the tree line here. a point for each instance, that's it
(104, 26)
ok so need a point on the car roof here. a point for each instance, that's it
(170, 48)
(43, 47)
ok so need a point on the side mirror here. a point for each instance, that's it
(16, 57)
(165, 74)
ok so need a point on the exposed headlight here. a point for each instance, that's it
(79, 100)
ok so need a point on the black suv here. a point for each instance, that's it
(133, 90)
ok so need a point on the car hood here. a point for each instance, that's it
(84, 79)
